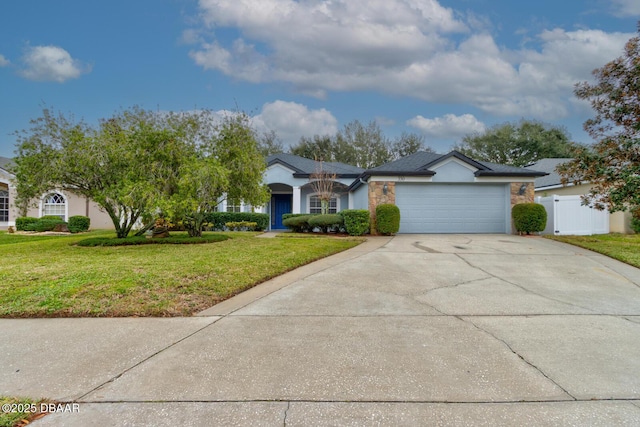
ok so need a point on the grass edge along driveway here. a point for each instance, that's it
(51, 277)
(623, 247)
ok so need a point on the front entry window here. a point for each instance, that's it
(315, 205)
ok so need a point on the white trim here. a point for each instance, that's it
(296, 201)
(400, 178)
(504, 179)
(333, 196)
(556, 186)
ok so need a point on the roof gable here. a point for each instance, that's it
(423, 162)
(304, 167)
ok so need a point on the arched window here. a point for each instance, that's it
(4, 205)
(54, 204)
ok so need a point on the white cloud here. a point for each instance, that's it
(400, 47)
(291, 120)
(4, 61)
(448, 126)
(51, 63)
(626, 7)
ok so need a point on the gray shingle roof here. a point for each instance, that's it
(5, 162)
(308, 166)
(422, 161)
(548, 166)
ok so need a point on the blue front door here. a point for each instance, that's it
(280, 204)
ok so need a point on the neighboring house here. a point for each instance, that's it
(55, 202)
(549, 185)
(5, 191)
(435, 193)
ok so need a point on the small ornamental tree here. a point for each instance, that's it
(323, 183)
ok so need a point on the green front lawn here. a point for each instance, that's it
(50, 277)
(623, 247)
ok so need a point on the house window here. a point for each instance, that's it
(233, 206)
(55, 204)
(4, 205)
(315, 205)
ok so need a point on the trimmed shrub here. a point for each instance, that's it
(529, 217)
(635, 220)
(326, 223)
(219, 219)
(23, 221)
(292, 215)
(387, 219)
(52, 217)
(298, 223)
(141, 240)
(356, 221)
(43, 225)
(79, 223)
(241, 226)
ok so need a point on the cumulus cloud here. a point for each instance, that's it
(414, 48)
(291, 120)
(4, 61)
(51, 63)
(448, 126)
(626, 7)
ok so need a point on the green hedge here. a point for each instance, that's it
(326, 223)
(24, 221)
(79, 223)
(241, 226)
(52, 217)
(356, 221)
(142, 240)
(298, 223)
(387, 219)
(529, 217)
(219, 219)
(292, 215)
(42, 225)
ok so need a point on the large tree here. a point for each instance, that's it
(612, 164)
(138, 164)
(517, 144)
(360, 145)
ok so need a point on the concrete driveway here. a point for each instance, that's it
(411, 330)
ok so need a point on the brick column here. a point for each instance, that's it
(377, 197)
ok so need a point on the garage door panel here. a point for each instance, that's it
(452, 208)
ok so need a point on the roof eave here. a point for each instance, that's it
(514, 174)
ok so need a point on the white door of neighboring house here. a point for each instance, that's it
(452, 208)
(567, 215)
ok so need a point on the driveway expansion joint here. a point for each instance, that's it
(520, 356)
(523, 288)
(111, 380)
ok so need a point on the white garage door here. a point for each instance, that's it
(452, 208)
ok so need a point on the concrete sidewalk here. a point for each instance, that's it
(413, 330)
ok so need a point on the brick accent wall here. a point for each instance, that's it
(377, 197)
(527, 197)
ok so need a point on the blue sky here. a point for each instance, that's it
(442, 68)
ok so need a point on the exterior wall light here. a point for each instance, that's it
(385, 188)
(523, 188)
